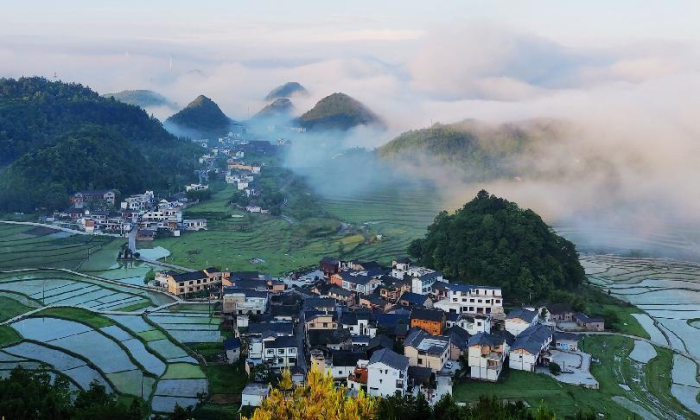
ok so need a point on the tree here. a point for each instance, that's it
(318, 399)
(493, 241)
(554, 368)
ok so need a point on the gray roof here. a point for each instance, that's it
(281, 342)
(522, 313)
(562, 336)
(389, 358)
(532, 338)
(485, 339)
(458, 336)
(276, 327)
(256, 389)
(431, 344)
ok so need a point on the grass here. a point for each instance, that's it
(136, 306)
(565, 400)
(10, 308)
(183, 371)
(84, 316)
(398, 216)
(152, 335)
(226, 379)
(8, 336)
(600, 304)
(650, 386)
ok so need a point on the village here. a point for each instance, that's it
(148, 215)
(384, 330)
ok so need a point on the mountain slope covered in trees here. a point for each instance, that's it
(493, 241)
(479, 151)
(57, 137)
(339, 112)
(142, 98)
(286, 90)
(281, 107)
(202, 115)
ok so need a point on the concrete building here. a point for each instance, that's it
(387, 374)
(486, 356)
(425, 350)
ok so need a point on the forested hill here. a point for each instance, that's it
(479, 150)
(339, 112)
(203, 116)
(493, 241)
(143, 98)
(44, 123)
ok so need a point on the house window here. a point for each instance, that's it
(325, 325)
(420, 361)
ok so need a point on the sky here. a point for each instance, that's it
(624, 72)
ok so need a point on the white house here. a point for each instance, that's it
(359, 323)
(518, 320)
(254, 394)
(241, 302)
(422, 278)
(359, 283)
(195, 224)
(196, 187)
(470, 299)
(475, 324)
(280, 352)
(529, 347)
(387, 373)
(486, 355)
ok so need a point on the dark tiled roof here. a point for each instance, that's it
(559, 308)
(428, 314)
(191, 275)
(326, 337)
(391, 320)
(389, 358)
(380, 341)
(485, 339)
(585, 318)
(347, 357)
(560, 335)
(319, 303)
(281, 342)
(413, 298)
(532, 338)
(232, 343)
(420, 374)
(276, 327)
(522, 313)
(459, 336)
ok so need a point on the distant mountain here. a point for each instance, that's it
(339, 112)
(56, 138)
(286, 90)
(202, 115)
(281, 107)
(143, 98)
(478, 150)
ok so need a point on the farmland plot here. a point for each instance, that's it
(189, 327)
(669, 292)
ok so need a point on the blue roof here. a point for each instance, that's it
(232, 343)
(413, 298)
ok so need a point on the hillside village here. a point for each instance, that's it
(148, 215)
(384, 330)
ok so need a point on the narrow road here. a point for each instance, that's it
(76, 232)
(301, 348)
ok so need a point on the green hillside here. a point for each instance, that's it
(202, 115)
(286, 90)
(480, 151)
(58, 137)
(278, 108)
(142, 98)
(339, 112)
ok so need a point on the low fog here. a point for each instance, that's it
(627, 167)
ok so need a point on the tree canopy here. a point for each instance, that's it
(59, 137)
(493, 241)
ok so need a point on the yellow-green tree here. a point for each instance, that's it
(318, 399)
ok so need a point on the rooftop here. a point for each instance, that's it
(389, 358)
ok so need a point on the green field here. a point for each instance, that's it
(27, 246)
(10, 308)
(565, 400)
(81, 315)
(650, 383)
(235, 238)
(8, 336)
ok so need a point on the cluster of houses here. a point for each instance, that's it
(97, 211)
(402, 329)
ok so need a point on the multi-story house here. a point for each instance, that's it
(387, 374)
(430, 320)
(518, 320)
(486, 355)
(470, 299)
(425, 350)
(529, 347)
(241, 301)
(193, 281)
